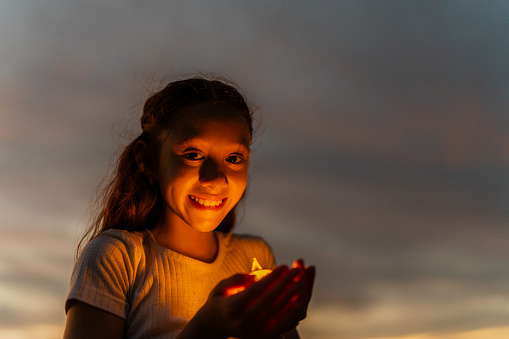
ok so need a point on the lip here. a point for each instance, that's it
(207, 208)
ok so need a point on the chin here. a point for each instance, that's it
(205, 227)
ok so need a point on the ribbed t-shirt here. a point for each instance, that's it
(156, 290)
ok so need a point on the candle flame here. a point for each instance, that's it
(256, 270)
(256, 265)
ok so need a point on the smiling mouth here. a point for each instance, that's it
(205, 202)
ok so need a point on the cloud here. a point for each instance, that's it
(328, 322)
(34, 271)
(42, 331)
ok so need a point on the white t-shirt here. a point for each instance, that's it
(156, 290)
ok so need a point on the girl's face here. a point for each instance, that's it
(202, 166)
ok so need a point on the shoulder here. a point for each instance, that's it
(105, 271)
(114, 246)
(114, 240)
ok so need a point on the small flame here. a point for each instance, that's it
(256, 270)
(256, 265)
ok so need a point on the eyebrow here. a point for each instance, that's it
(190, 138)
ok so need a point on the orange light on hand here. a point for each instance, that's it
(256, 271)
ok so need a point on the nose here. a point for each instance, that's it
(212, 174)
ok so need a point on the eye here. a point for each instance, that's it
(234, 159)
(193, 156)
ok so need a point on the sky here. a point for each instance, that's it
(382, 156)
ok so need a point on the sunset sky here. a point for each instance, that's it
(382, 159)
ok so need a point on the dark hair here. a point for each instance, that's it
(130, 201)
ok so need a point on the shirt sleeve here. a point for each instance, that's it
(101, 276)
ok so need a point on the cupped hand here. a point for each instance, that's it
(292, 313)
(269, 307)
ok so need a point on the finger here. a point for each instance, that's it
(284, 301)
(281, 325)
(285, 320)
(298, 263)
(295, 310)
(310, 273)
(302, 299)
(245, 297)
(308, 281)
(257, 288)
(266, 300)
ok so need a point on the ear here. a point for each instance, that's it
(142, 156)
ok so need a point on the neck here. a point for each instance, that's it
(182, 238)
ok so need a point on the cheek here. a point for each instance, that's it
(237, 188)
(175, 177)
(238, 180)
(172, 170)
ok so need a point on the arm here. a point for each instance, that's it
(87, 322)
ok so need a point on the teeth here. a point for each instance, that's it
(206, 203)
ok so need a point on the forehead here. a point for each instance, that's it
(209, 121)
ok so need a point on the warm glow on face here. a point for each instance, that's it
(256, 271)
(203, 165)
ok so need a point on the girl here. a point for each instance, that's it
(162, 260)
